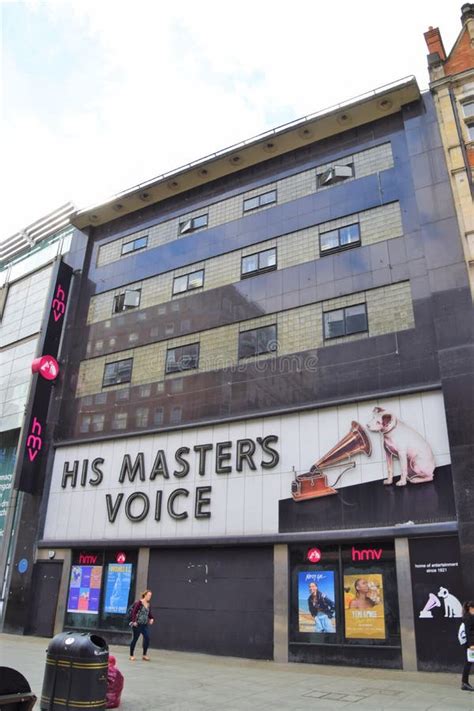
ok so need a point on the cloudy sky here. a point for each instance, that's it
(98, 96)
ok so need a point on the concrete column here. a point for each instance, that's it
(66, 556)
(141, 581)
(405, 603)
(280, 603)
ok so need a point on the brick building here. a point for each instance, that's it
(452, 86)
(257, 339)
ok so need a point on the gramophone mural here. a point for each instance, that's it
(417, 462)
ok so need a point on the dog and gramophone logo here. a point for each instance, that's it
(400, 441)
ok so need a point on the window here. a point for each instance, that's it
(470, 131)
(344, 322)
(141, 416)
(341, 238)
(258, 341)
(259, 262)
(193, 224)
(175, 417)
(182, 358)
(129, 299)
(194, 280)
(158, 416)
(335, 174)
(122, 395)
(119, 421)
(98, 423)
(85, 423)
(118, 372)
(134, 245)
(144, 390)
(260, 200)
(468, 109)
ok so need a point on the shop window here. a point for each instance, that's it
(128, 299)
(134, 245)
(188, 282)
(259, 262)
(260, 200)
(341, 238)
(335, 174)
(118, 372)
(100, 590)
(345, 322)
(193, 224)
(182, 358)
(258, 341)
(141, 417)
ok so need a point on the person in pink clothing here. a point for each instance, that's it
(114, 684)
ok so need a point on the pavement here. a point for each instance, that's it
(180, 681)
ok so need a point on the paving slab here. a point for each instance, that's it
(180, 681)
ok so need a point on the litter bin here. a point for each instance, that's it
(15, 692)
(75, 676)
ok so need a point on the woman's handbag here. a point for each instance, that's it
(470, 655)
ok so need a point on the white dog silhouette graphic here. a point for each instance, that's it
(452, 606)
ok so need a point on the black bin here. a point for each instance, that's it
(15, 692)
(75, 676)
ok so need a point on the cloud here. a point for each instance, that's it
(104, 95)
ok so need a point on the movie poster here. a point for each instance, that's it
(117, 589)
(364, 606)
(316, 601)
(84, 589)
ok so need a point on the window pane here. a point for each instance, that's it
(118, 303)
(247, 344)
(266, 340)
(185, 226)
(98, 423)
(251, 203)
(268, 198)
(119, 421)
(131, 298)
(180, 284)
(171, 360)
(250, 264)
(356, 319)
(140, 243)
(468, 108)
(195, 280)
(267, 259)
(158, 417)
(142, 417)
(85, 423)
(334, 324)
(329, 240)
(470, 130)
(349, 234)
(118, 372)
(109, 373)
(189, 357)
(128, 247)
(200, 221)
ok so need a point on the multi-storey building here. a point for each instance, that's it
(452, 86)
(264, 413)
(29, 261)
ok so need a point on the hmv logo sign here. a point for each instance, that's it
(58, 305)
(366, 554)
(34, 441)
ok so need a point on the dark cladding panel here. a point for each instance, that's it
(217, 601)
(437, 599)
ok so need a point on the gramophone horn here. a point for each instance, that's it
(356, 441)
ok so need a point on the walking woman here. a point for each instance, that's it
(141, 617)
(468, 619)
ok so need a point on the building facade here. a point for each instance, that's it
(264, 411)
(452, 86)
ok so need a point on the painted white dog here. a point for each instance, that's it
(452, 606)
(400, 440)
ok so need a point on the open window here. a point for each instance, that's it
(335, 174)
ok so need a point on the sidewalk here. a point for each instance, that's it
(178, 681)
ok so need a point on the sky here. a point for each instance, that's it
(98, 96)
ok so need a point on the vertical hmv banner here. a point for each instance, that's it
(32, 453)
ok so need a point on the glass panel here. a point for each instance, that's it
(158, 417)
(250, 264)
(251, 203)
(98, 423)
(196, 279)
(185, 226)
(140, 242)
(470, 131)
(118, 303)
(180, 284)
(200, 221)
(175, 417)
(128, 247)
(85, 423)
(266, 340)
(329, 240)
(468, 108)
(189, 357)
(247, 344)
(171, 360)
(124, 371)
(109, 373)
(349, 234)
(334, 324)
(268, 198)
(131, 298)
(267, 259)
(120, 421)
(142, 417)
(356, 319)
